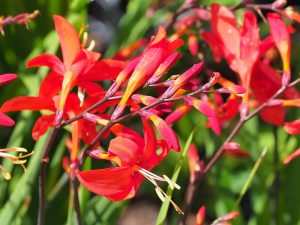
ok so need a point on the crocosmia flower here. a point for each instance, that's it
(134, 157)
(79, 66)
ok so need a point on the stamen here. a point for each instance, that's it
(84, 39)
(171, 183)
(92, 46)
(160, 193)
(5, 173)
(80, 95)
(176, 207)
(17, 149)
(152, 175)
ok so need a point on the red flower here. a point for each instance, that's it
(4, 79)
(134, 156)
(79, 66)
(240, 47)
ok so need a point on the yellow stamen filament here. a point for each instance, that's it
(19, 159)
(160, 193)
(5, 173)
(80, 95)
(171, 183)
(92, 46)
(84, 39)
(17, 149)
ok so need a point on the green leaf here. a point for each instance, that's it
(251, 175)
(165, 205)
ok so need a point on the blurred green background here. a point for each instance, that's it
(273, 197)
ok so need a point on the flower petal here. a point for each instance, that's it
(49, 60)
(166, 132)
(126, 149)
(281, 37)
(200, 217)
(106, 69)
(178, 113)
(114, 183)
(28, 103)
(51, 85)
(292, 127)
(292, 156)
(150, 157)
(42, 125)
(201, 106)
(5, 120)
(69, 40)
(125, 132)
(6, 78)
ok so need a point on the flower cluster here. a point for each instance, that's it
(94, 97)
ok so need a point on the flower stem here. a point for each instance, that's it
(76, 205)
(42, 176)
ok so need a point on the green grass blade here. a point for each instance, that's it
(251, 175)
(25, 185)
(165, 205)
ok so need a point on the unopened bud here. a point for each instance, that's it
(279, 4)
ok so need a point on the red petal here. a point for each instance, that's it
(178, 113)
(188, 75)
(193, 44)
(292, 156)
(5, 120)
(249, 49)
(90, 87)
(292, 127)
(150, 157)
(49, 60)
(215, 125)
(125, 132)
(106, 69)
(230, 216)
(69, 40)
(200, 217)
(224, 26)
(164, 67)
(28, 103)
(193, 162)
(114, 183)
(232, 149)
(42, 125)
(166, 132)
(127, 150)
(273, 115)
(215, 45)
(51, 85)
(201, 106)
(281, 36)
(6, 78)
